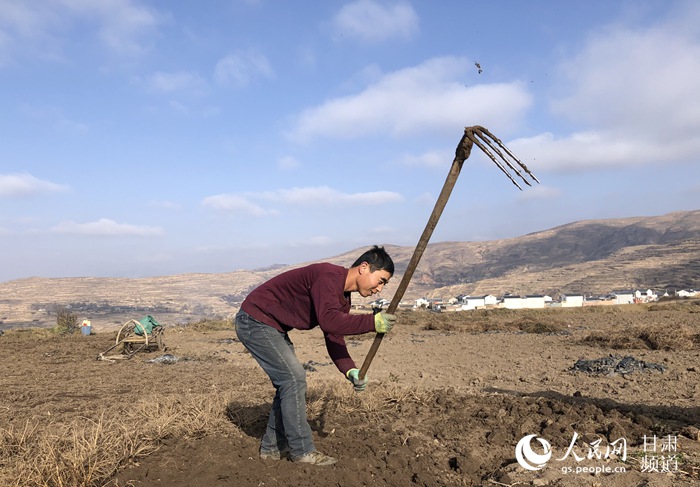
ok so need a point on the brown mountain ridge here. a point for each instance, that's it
(587, 257)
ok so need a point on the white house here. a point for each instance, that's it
(571, 300)
(534, 301)
(645, 297)
(623, 297)
(474, 302)
(380, 303)
(686, 294)
(422, 303)
(512, 302)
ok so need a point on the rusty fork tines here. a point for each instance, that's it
(491, 145)
(503, 157)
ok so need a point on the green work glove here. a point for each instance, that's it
(353, 376)
(384, 322)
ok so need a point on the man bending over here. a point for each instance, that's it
(304, 298)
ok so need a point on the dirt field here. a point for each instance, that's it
(450, 397)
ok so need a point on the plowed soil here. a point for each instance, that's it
(450, 397)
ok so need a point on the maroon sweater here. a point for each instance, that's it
(307, 297)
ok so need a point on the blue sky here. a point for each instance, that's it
(142, 138)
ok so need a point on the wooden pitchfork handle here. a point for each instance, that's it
(483, 139)
(463, 150)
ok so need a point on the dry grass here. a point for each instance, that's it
(660, 337)
(78, 454)
(211, 324)
(374, 406)
(538, 326)
(687, 305)
(618, 341)
(652, 337)
(87, 453)
(660, 333)
(478, 321)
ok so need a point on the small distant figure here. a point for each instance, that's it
(478, 66)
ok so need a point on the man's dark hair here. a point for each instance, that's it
(378, 260)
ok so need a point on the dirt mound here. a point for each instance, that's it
(437, 438)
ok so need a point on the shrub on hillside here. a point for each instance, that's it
(66, 321)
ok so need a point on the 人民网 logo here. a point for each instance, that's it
(529, 459)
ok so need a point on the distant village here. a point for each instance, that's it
(510, 301)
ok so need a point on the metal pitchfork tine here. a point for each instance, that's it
(477, 134)
(503, 158)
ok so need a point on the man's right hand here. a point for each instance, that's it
(353, 376)
(384, 322)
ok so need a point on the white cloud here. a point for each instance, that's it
(382, 230)
(18, 185)
(539, 192)
(72, 126)
(425, 199)
(155, 258)
(240, 68)
(634, 92)
(178, 107)
(176, 82)
(631, 80)
(584, 150)
(315, 241)
(324, 195)
(288, 163)
(600, 149)
(106, 227)
(429, 97)
(372, 21)
(311, 196)
(122, 22)
(39, 26)
(25, 19)
(427, 159)
(55, 116)
(238, 204)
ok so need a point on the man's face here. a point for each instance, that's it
(371, 282)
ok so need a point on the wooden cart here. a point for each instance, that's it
(136, 335)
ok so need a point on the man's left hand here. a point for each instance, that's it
(384, 322)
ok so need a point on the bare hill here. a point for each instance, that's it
(588, 257)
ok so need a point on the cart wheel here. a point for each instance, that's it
(133, 342)
(160, 342)
(131, 347)
(127, 329)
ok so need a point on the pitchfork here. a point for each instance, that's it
(502, 157)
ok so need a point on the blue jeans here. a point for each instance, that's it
(287, 427)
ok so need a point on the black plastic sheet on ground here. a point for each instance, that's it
(615, 365)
